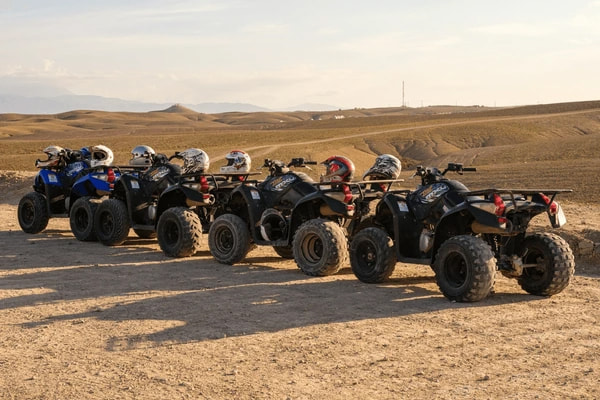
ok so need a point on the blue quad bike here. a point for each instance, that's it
(466, 236)
(64, 190)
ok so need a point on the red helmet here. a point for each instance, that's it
(338, 169)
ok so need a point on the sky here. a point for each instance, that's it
(278, 53)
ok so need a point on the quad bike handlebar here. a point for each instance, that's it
(432, 174)
(277, 167)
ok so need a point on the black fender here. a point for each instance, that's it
(247, 202)
(456, 221)
(177, 196)
(314, 205)
(400, 225)
(128, 189)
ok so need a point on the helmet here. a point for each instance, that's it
(386, 166)
(237, 162)
(142, 156)
(55, 156)
(194, 160)
(338, 169)
(101, 155)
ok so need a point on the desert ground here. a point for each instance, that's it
(79, 320)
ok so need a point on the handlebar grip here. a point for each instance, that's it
(310, 162)
(469, 169)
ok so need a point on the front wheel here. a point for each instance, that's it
(33, 213)
(179, 232)
(229, 239)
(112, 222)
(465, 268)
(81, 219)
(320, 247)
(372, 256)
(548, 264)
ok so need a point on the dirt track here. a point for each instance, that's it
(80, 320)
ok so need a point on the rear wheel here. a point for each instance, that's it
(33, 213)
(548, 264)
(372, 255)
(229, 239)
(465, 268)
(81, 219)
(320, 247)
(111, 222)
(179, 232)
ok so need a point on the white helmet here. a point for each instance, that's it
(142, 156)
(55, 156)
(237, 162)
(194, 160)
(386, 166)
(101, 155)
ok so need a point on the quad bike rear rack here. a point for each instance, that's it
(517, 194)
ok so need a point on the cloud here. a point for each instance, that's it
(516, 29)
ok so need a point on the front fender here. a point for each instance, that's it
(47, 177)
(248, 201)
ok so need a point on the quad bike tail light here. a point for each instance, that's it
(553, 206)
(347, 194)
(500, 208)
(203, 184)
(204, 187)
(110, 175)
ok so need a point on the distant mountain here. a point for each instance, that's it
(10, 103)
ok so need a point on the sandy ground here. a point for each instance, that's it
(81, 320)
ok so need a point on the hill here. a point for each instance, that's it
(542, 145)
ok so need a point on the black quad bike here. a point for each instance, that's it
(301, 219)
(466, 236)
(133, 202)
(289, 211)
(188, 207)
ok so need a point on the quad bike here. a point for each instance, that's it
(300, 218)
(466, 236)
(188, 207)
(133, 202)
(63, 188)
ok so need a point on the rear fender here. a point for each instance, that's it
(91, 185)
(328, 206)
(174, 196)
